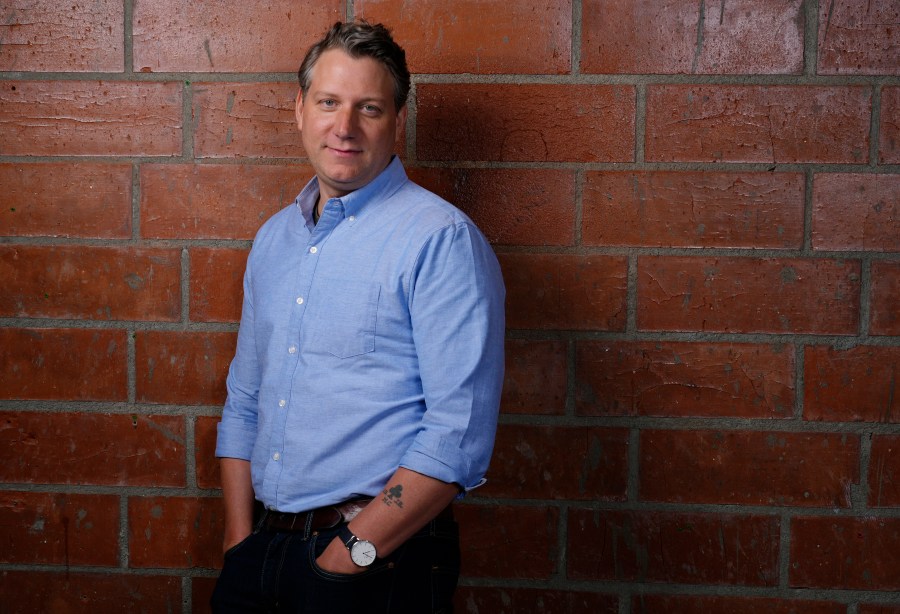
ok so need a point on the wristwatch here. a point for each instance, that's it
(362, 551)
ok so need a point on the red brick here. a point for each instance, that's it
(693, 209)
(845, 553)
(105, 449)
(43, 35)
(90, 118)
(245, 119)
(878, 609)
(889, 144)
(175, 531)
(691, 604)
(491, 36)
(27, 592)
(66, 200)
(738, 123)
(563, 291)
(206, 36)
(59, 529)
(525, 122)
(213, 201)
(201, 594)
(217, 287)
(63, 364)
(535, 379)
(186, 368)
(885, 318)
(94, 283)
(673, 547)
(512, 206)
(856, 212)
(558, 462)
(205, 460)
(683, 379)
(749, 468)
(685, 36)
(884, 471)
(748, 295)
(858, 38)
(856, 384)
(496, 600)
(492, 544)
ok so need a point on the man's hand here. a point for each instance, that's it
(336, 559)
(231, 541)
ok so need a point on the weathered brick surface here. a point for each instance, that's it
(684, 36)
(857, 384)
(878, 609)
(27, 592)
(885, 317)
(217, 287)
(70, 364)
(175, 531)
(849, 553)
(535, 378)
(858, 38)
(491, 540)
(884, 471)
(749, 468)
(856, 212)
(206, 36)
(66, 200)
(214, 201)
(89, 118)
(777, 124)
(683, 379)
(614, 545)
(786, 295)
(692, 604)
(518, 123)
(245, 119)
(201, 593)
(561, 291)
(549, 462)
(492, 36)
(92, 283)
(693, 209)
(58, 529)
(205, 460)
(43, 35)
(510, 206)
(183, 367)
(68, 448)
(889, 142)
(482, 600)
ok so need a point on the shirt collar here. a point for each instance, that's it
(383, 186)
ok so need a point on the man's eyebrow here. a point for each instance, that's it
(327, 94)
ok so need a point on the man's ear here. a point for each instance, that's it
(298, 109)
(401, 123)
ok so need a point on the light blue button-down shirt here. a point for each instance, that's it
(369, 341)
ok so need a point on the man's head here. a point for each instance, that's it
(351, 106)
(358, 40)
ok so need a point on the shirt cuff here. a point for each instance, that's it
(442, 461)
(234, 442)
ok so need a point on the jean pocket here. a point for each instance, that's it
(350, 311)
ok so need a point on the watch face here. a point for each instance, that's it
(363, 553)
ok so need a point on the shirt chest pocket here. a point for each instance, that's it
(342, 318)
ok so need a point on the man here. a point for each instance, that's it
(363, 396)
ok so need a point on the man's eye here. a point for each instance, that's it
(328, 103)
(370, 108)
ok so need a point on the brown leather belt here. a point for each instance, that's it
(326, 517)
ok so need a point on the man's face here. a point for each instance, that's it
(348, 122)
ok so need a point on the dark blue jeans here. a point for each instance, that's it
(273, 571)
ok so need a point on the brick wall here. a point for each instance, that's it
(695, 205)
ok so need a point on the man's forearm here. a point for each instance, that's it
(237, 493)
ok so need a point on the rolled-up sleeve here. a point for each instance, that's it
(457, 312)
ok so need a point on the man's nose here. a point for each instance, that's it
(345, 123)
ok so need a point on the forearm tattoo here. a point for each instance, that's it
(392, 496)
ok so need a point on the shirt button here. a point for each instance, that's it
(313, 249)
(276, 456)
(352, 218)
(299, 300)
(282, 403)
(292, 350)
